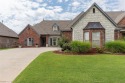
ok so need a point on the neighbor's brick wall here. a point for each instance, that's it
(67, 34)
(29, 33)
(122, 22)
(93, 17)
(8, 42)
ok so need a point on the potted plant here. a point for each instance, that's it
(36, 45)
(20, 46)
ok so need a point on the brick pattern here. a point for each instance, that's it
(122, 22)
(93, 17)
(29, 33)
(8, 42)
(118, 35)
(67, 34)
(102, 36)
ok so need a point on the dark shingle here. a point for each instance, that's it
(94, 25)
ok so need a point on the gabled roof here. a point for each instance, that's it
(83, 14)
(5, 31)
(45, 27)
(28, 26)
(117, 16)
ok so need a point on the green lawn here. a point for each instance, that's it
(5, 48)
(54, 68)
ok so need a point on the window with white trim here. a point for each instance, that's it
(86, 36)
(53, 41)
(55, 27)
(30, 41)
(95, 39)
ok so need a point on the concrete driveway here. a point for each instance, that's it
(14, 61)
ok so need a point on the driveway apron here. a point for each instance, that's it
(14, 61)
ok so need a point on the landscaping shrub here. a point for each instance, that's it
(115, 46)
(80, 47)
(64, 43)
(123, 39)
(66, 47)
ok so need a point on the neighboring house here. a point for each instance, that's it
(94, 25)
(8, 38)
(45, 33)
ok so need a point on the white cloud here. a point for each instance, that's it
(16, 14)
(75, 4)
(44, 4)
(121, 5)
(59, 1)
(39, 0)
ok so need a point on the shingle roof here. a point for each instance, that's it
(45, 27)
(5, 31)
(94, 25)
(116, 16)
(83, 14)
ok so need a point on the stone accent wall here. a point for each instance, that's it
(67, 34)
(29, 33)
(8, 42)
(93, 17)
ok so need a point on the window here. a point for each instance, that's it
(93, 10)
(95, 39)
(86, 36)
(30, 41)
(55, 27)
(54, 41)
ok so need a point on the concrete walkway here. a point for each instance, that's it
(14, 61)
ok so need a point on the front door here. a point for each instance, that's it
(43, 41)
(95, 39)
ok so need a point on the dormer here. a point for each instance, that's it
(55, 27)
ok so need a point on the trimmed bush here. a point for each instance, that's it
(80, 47)
(62, 41)
(115, 46)
(64, 44)
(66, 47)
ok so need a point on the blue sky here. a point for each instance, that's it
(18, 13)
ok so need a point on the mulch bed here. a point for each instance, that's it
(71, 53)
(92, 52)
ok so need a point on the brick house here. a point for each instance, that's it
(94, 25)
(8, 38)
